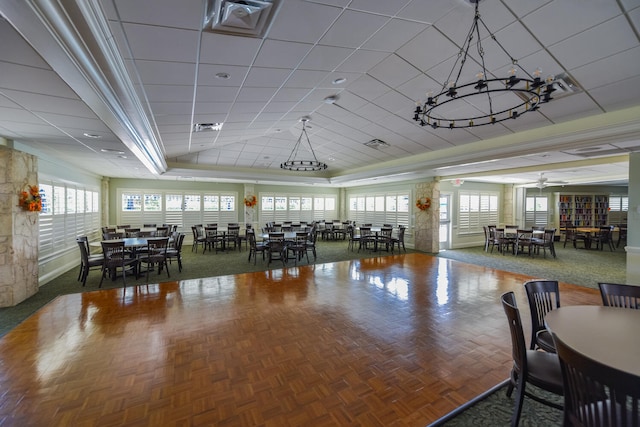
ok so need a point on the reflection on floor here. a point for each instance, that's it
(390, 341)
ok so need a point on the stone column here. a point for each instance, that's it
(18, 228)
(427, 222)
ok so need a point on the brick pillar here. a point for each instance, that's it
(18, 228)
(427, 223)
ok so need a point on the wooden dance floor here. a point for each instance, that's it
(391, 341)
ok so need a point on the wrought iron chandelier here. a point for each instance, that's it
(526, 93)
(293, 163)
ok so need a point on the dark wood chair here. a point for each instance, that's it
(87, 261)
(604, 237)
(524, 241)
(198, 238)
(543, 296)
(545, 242)
(175, 250)
(116, 256)
(254, 246)
(538, 368)
(572, 235)
(156, 254)
(399, 239)
(619, 295)
(298, 247)
(596, 394)
(622, 234)
(277, 248)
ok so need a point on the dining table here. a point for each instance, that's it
(608, 335)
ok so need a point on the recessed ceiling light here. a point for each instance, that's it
(122, 157)
(339, 80)
(331, 99)
(112, 151)
(92, 135)
(223, 76)
(204, 127)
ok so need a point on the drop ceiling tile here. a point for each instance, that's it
(169, 93)
(207, 75)
(293, 95)
(456, 23)
(306, 79)
(267, 77)
(45, 103)
(382, 7)
(352, 29)
(170, 73)
(591, 45)
(249, 94)
(302, 21)
(165, 13)
(14, 49)
(417, 10)
(394, 71)
(325, 58)
(618, 95)
(570, 107)
(601, 72)
(395, 102)
(361, 61)
(237, 50)
(37, 80)
(368, 88)
(215, 93)
(560, 20)
(162, 44)
(281, 54)
(162, 108)
(440, 49)
(394, 34)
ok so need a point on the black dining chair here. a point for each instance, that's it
(543, 296)
(117, 257)
(620, 295)
(87, 260)
(595, 394)
(537, 368)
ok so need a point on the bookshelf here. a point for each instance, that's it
(582, 210)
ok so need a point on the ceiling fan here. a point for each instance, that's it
(543, 182)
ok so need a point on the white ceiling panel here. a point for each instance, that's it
(376, 58)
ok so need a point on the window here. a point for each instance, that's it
(176, 208)
(378, 209)
(476, 209)
(296, 208)
(68, 210)
(536, 211)
(618, 209)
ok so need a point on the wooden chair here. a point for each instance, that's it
(619, 295)
(622, 234)
(353, 238)
(538, 368)
(277, 248)
(117, 257)
(198, 238)
(175, 250)
(605, 236)
(399, 239)
(384, 239)
(213, 240)
(367, 238)
(156, 253)
(543, 296)
(298, 247)
(572, 235)
(524, 241)
(596, 394)
(87, 261)
(255, 246)
(310, 245)
(546, 242)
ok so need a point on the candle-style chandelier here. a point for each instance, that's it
(294, 163)
(526, 92)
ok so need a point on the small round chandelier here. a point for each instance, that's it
(293, 163)
(439, 110)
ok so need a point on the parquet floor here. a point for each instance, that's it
(390, 341)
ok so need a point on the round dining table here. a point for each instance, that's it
(608, 335)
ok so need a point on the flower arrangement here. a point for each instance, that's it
(250, 201)
(31, 200)
(423, 204)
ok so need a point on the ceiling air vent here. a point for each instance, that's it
(240, 17)
(377, 144)
(207, 127)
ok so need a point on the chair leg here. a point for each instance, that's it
(519, 399)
